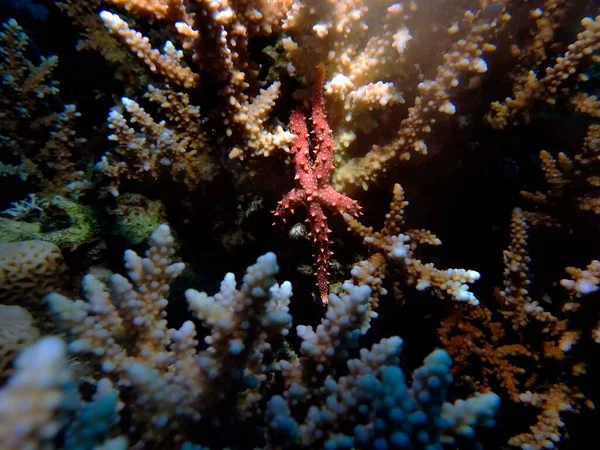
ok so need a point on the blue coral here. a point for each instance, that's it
(92, 424)
(383, 412)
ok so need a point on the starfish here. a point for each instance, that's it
(313, 180)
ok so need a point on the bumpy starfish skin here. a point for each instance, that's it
(313, 180)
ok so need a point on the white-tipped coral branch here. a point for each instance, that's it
(172, 378)
(31, 401)
(581, 283)
(167, 64)
(533, 88)
(215, 35)
(400, 247)
(521, 309)
(176, 150)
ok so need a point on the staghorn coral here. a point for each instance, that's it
(392, 244)
(366, 48)
(389, 413)
(572, 181)
(95, 37)
(531, 89)
(179, 153)
(195, 124)
(162, 364)
(519, 307)
(30, 403)
(547, 432)
(215, 36)
(499, 348)
(175, 383)
(582, 282)
(40, 398)
(27, 90)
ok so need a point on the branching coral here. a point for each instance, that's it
(30, 404)
(179, 153)
(39, 398)
(395, 244)
(483, 343)
(582, 282)
(125, 330)
(215, 35)
(366, 49)
(196, 123)
(532, 89)
(95, 37)
(573, 180)
(27, 91)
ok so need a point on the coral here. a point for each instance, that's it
(92, 424)
(29, 270)
(394, 245)
(156, 151)
(483, 344)
(25, 208)
(174, 382)
(314, 190)
(473, 334)
(582, 282)
(572, 180)
(26, 91)
(30, 403)
(17, 332)
(40, 398)
(65, 223)
(519, 306)
(97, 38)
(531, 88)
(387, 413)
(193, 110)
(372, 401)
(216, 35)
(546, 433)
(366, 48)
(163, 364)
(166, 64)
(136, 217)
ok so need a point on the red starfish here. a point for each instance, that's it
(313, 189)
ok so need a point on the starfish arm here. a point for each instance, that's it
(319, 231)
(300, 148)
(325, 145)
(285, 206)
(336, 202)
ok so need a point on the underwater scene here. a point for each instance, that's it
(299, 224)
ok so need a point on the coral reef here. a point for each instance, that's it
(186, 125)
